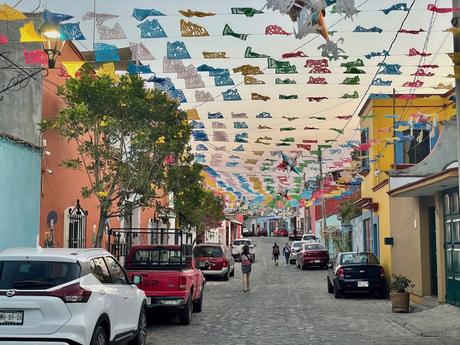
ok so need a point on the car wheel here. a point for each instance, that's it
(337, 292)
(185, 315)
(382, 294)
(330, 288)
(227, 275)
(141, 333)
(198, 304)
(304, 267)
(99, 336)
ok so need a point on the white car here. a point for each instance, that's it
(295, 249)
(68, 296)
(237, 248)
(309, 238)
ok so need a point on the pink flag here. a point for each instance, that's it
(417, 83)
(415, 52)
(433, 8)
(3, 39)
(36, 56)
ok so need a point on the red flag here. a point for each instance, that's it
(36, 56)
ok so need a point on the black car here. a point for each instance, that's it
(356, 272)
(295, 235)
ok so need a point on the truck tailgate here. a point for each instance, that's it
(159, 283)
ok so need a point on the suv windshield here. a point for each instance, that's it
(358, 258)
(208, 251)
(296, 245)
(156, 256)
(36, 275)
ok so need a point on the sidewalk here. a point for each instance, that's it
(440, 321)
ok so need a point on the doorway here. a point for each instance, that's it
(433, 252)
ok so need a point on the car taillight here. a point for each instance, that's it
(182, 283)
(225, 264)
(382, 272)
(340, 273)
(72, 294)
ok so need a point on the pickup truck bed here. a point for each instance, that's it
(169, 280)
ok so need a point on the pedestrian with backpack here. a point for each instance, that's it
(246, 265)
(276, 253)
(287, 252)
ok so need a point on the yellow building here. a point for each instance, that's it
(397, 134)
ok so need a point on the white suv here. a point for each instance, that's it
(307, 238)
(237, 248)
(68, 296)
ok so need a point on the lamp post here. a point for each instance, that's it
(53, 44)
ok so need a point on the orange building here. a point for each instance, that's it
(62, 224)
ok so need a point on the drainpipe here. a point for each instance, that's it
(456, 24)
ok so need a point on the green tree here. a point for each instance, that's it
(127, 136)
(195, 205)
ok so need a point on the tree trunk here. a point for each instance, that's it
(100, 228)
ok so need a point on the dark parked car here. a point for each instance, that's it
(312, 254)
(295, 235)
(356, 272)
(262, 232)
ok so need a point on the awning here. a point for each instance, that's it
(427, 186)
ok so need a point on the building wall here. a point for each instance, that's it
(407, 248)
(20, 194)
(357, 234)
(62, 188)
(20, 111)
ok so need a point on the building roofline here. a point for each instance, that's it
(452, 172)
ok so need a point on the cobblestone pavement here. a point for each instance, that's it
(285, 306)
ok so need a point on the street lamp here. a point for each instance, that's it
(53, 45)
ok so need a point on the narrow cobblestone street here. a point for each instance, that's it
(285, 306)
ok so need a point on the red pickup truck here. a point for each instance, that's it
(167, 282)
(168, 275)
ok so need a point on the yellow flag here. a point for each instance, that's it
(9, 13)
(28, 33)
(108, 69)
(192, 114)
(72, 67)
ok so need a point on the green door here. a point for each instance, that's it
(452, 246)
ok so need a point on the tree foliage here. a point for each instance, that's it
(127, 136)
(196, 206)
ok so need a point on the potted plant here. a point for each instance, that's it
(400, 298)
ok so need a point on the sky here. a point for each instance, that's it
(355, 45)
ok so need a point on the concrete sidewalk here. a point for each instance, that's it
(440, 321)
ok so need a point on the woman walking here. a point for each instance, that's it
(287, 252)
(276, 253)
(246, 265)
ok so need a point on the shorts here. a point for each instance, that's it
(246, 269)
(276, 256)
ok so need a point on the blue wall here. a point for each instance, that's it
(19, 195)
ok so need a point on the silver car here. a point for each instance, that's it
(295, 249)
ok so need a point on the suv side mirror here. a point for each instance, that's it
(136, 279)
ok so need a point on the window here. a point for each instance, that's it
(367, 235)
(157, 256)
(418, 147)
(36, 275)
(358, 258)
(365, 153)
(117, 273)
(208, 251)
(313, 246)
(99, 269)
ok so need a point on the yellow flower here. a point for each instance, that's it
(102, 194)
(103, 123)
(161, 140)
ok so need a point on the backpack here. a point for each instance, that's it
(276, 250)
(245, 260)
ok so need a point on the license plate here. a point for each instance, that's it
(317, 261)
(363, 284)
(11, 317)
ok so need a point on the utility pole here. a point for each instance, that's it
(456, 24)
(321, 184)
